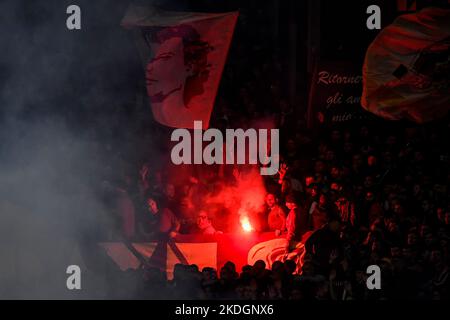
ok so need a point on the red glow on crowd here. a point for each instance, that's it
(242, 199)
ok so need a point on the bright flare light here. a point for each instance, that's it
(245, 223)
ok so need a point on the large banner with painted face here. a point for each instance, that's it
(203, 251)
(184, 55)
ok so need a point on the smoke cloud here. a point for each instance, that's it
(68, 100)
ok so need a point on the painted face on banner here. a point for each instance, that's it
(179, 67)
(165, 72)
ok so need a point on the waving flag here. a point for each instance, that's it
(204, 251)
(407, 67)
(184, 55)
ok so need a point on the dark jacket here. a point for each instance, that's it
(296, 224)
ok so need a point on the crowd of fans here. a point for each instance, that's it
(364, 197)
(367, 193)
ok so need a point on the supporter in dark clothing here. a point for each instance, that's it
(323, 243)
(296, 222)
(170, 199)
(320, 212)
(158, 222)
(311, 196)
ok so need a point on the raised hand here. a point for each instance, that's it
(144, 172)
(283, 170)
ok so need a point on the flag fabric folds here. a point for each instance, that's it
(407, 67)
(204, 251)
(184, 54)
